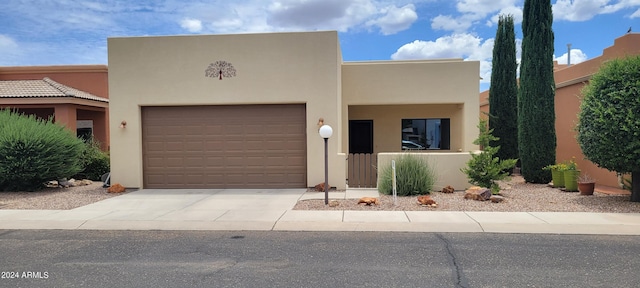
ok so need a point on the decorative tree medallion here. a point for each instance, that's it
(220, 69)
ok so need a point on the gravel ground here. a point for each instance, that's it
(519, 197)
(56, 198)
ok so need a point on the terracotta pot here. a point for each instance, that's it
(586, 188)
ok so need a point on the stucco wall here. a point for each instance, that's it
(570, 81)
(271, 68)
(88, 78)
(447, 81)
(387, 122)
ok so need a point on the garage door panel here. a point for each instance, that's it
(252, 145)
(249, 146)
(231, 129)
(152, 147)
(171, 146)
(213, 145)
(194, 162)
(197, 147)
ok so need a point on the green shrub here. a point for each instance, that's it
(94, 161)
(483, 169)
(33, 151)
(414, 176)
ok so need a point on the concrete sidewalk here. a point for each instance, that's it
(271, 209)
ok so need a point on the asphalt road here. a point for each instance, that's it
(314, 259)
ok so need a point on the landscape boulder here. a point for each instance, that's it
(477, 193)
(496, 198)
(448, 189)
(425, 200)
(369, 201)
(116, 188)
(84, 182)
(320, 187)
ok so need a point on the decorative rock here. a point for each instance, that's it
(425, 200)
(85, 182)
(496, 198)
(51, 184)
(369, 200)
(448, 189)
(71, 183)
(116, 188)
(477, 193)
(320, 187)
(334, 203)
(64, 183)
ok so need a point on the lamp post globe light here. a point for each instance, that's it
(326, 132)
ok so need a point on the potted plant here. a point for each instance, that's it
(571, 176)
(557, 174)
(586, 184)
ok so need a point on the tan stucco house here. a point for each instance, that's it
(75, 96)
(570, 80)
(242, 111)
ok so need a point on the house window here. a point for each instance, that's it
(426, 134)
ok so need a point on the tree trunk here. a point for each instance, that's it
(635, 186)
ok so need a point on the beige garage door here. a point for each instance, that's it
(244, 146)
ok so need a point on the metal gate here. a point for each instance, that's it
(362, 170)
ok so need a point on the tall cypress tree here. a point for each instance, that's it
(503, 93)
(536, 115)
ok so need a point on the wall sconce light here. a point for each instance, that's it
(123, 124)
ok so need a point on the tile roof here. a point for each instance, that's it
(45, 88)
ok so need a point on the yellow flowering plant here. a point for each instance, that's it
(571, 164)
(557, 167)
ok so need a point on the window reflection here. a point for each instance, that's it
(424, 134)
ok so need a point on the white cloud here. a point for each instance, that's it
(7, 43)
(483, 7)
(310, 13)
(9, 50)
(635, 14)
(449, 23)
(396, 19)
(244, 16)
(473, 11)
(453, 46)
(577, 10)
(577, 56)
(191, 25)
(583, 10)
(465, 46)
(514, 11)
(621, 4)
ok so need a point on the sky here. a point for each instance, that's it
(65, 32)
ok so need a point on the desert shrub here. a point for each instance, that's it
(484, 169)
(33, 151)
(414, 176)
(94, 161)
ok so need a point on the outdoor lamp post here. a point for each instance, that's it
(326, 132)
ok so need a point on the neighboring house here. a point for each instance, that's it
(570, 79)
(75, 96)
(243, 111)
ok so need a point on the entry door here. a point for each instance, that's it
(360, 136)
(361, 162)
